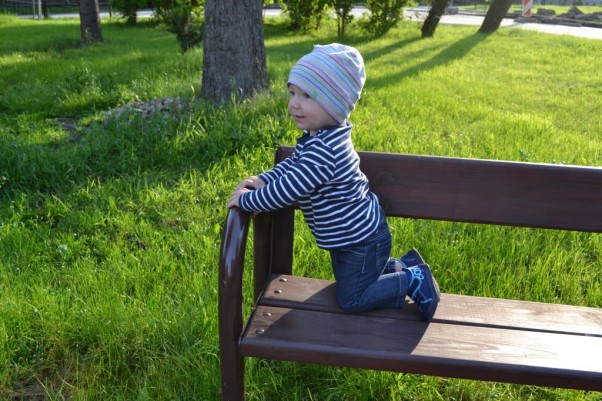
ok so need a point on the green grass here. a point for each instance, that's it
(109, 234)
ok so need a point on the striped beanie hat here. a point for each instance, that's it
(333, 75)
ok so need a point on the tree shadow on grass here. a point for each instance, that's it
(448, 55)
(383, 51)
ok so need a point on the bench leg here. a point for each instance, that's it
(233, 379)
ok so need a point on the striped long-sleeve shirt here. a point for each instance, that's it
(323, 177)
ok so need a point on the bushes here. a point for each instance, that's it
(343, 9)
(129, 8)
(184, 18)
(384, 15)
(306, 15)
(186, 22)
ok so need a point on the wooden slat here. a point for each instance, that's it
(319, 295)
(485, 191)
(441, 349)
(296, 292)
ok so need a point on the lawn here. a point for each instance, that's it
(110, 223)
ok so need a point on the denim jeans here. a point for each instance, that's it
(365, 274)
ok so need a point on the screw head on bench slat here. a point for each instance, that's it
(277, 291)
(283, 279)
(259, 331)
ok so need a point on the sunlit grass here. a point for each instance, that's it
(109, 234)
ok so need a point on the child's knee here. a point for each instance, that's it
(348, 303)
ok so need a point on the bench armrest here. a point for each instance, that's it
(231, 264)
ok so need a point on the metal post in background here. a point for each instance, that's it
(527, 6)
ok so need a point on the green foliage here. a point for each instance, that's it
(344, 17)
(128, 8)
(110, 231)
(187, 23)
(161, 7)
(270, 3)
(306, 15)
(384, 15)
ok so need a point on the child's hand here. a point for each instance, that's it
(245, 185)
(234, 197)
(253, 182)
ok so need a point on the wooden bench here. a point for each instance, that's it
(298, 319)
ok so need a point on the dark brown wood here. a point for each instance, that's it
(232, 256)
(469, 337)
(283, 230)
(295, 292)
(282, 239)
(442, 349)
(262, 252)
(486, 191)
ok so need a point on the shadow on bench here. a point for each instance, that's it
(298, 319)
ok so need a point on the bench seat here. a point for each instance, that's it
(298, 319)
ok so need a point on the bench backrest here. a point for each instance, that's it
(484, 191)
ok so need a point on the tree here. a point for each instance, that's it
(234, 59)
(89, 19)
(306, 15)
(129, 8)
(186, 22)
(344, 17)
(495, 15)
(434, 16)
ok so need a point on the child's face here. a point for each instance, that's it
(307, 113)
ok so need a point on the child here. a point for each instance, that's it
(323, 177)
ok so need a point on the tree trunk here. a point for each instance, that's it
(234, 60)
(432, 20)
(496, 13)
(89, 19)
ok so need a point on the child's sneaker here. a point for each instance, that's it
(412, 258)
(423, 289)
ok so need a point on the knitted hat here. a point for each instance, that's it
(332, 75)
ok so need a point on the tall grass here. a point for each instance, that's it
(109, 232)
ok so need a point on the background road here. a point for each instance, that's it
(420, 13)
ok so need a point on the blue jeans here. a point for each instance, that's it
(365, 274)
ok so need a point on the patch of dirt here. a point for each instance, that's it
(71, 125)
(148, 109)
